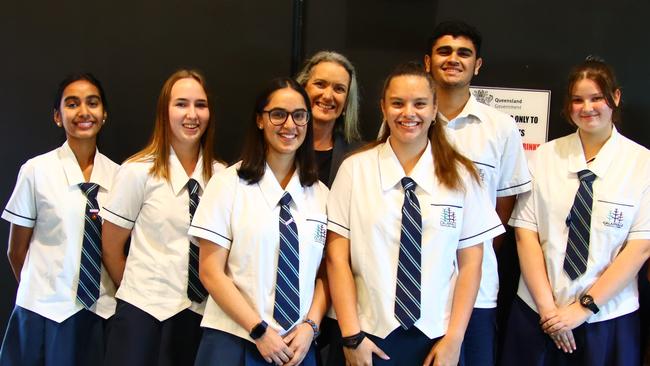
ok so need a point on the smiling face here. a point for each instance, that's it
(589, 109)
(81, 112)
(189, 114)
(327, 88)
(286, 138)
(453, 62)
(409, 108)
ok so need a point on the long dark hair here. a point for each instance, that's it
(255, 147)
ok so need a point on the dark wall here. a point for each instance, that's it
(132, 47)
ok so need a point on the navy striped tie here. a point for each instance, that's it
(195, 290)
(287, 286)
(579, 222)
(91, 250)
(409, 273)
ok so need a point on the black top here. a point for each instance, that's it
(324, 162)
(341, 149)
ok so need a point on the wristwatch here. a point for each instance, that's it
(588, 302)
(354, 340)
(259, 330)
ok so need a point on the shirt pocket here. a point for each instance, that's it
(443, 217)
(315, 236)
(487, 171)
(613, 216)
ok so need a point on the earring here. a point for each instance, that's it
(104, 121)
(58, 124)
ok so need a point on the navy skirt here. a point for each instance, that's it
(221, 348)
(610, 342)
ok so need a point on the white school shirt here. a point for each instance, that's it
(244, 218)
(365, 206)
(157, 212)
(48, 199)
(491, 139)
(620, 212)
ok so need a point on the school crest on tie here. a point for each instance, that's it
(448, 217)
(614, 219)
(320, 233)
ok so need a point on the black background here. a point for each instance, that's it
(239, 45)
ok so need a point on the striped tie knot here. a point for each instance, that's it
(89, 189)
(586, 176)
(408, 184)
(286, 199)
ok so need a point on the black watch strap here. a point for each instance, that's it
(588, 302)
(354, 340)
(258, 330)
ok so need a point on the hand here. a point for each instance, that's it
(362, 355)
(565, 319)
(564, 340)
(445, 352)
(273, 348)
(299, 340)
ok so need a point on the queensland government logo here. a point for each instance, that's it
(483, 96)
(614, 219)
(448, 217)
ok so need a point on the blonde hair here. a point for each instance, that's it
(158, 148)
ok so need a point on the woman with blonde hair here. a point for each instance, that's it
(160, 299)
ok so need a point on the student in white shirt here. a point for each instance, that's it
(57, 321)
(491, 139)
(159, 306)
(244, 244)
(571, 310)
(365, 212)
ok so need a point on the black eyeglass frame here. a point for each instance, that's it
(287, 116)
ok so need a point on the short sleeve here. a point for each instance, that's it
(339, 200)
(524, 214)
(127, 195)
(514, 177)
(213, 217)
(21, 208)
(480, 220)
(640, 228)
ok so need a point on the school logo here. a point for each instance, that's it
(614, 219)
(481, 174)
(448, 217)
(320, 234)
(483, 96)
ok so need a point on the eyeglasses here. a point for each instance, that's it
(279, 116)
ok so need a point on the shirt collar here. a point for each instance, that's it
(101, 174)
(602, 160)
(178, 176)
(391, 171)
(472, 109)
(272, 191)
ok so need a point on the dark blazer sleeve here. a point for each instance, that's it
(341, 149)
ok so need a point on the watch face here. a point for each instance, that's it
(586, 300)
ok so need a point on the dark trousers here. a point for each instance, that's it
(139, 339)
(32, 340)
(221, 348)
(479, 344)
(610, 342)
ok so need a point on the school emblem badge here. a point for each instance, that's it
(614, 219)
(448, 218)
(320, 233)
